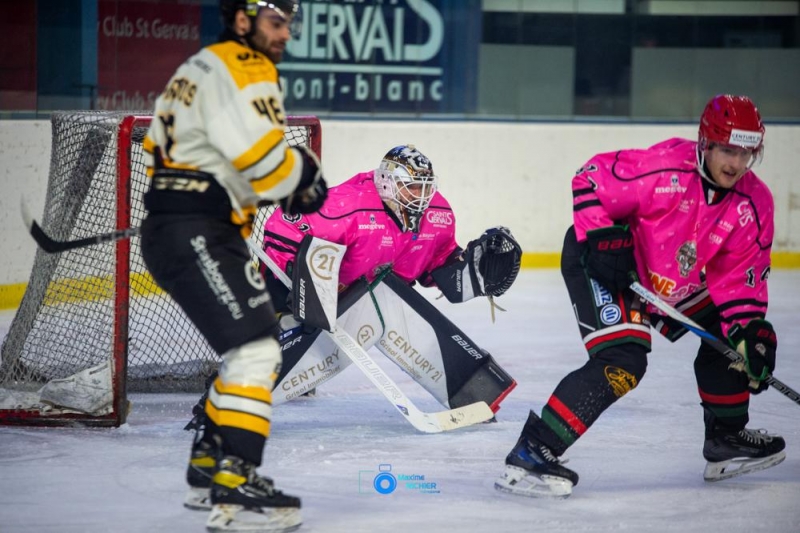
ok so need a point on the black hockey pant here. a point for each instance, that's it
(616, 332)
(205, 266)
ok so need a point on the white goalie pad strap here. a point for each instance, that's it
(316, 282)
(411, 342)
(323, 360)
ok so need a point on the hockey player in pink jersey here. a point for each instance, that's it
(397, 229)
(696, 225)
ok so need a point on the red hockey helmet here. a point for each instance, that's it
(731, 120)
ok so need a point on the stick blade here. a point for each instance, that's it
(42, 239)
(468, 415)
(45, 243)
(26, 214)
(438, 422)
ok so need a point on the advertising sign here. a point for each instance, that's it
(384, 56)
(140, 44)
(18, 56)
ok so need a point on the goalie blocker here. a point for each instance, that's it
(404, 326)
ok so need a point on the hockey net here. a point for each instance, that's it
(93, 325)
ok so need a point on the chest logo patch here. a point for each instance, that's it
(686, 258)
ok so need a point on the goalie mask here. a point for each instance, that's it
(406, 183)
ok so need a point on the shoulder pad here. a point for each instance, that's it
(245, 65)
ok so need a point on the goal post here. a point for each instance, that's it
(93, 325)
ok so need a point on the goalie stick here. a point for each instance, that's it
(437, 422)
(53, 246)
(710, 339)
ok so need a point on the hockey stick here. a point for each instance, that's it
(710, 339)
(52, 246)
(437, 422)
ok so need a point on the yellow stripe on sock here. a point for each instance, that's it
(239, 420)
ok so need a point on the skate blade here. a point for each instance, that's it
(224, 518)
(198, 499)
(737, 467)
(516, 480)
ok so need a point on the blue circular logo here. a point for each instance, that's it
(610, 314)
(385, 483)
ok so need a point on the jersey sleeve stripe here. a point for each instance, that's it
(271, 180)
(742, 303)
(744, 316)
(280, 238)
(148, 145)
(585, 205)
(259, 150)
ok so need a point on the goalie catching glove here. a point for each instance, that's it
(311, 191)
(758, 343)
(488, 267)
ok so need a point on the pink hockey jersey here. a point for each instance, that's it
(681, 227)
(354, 215)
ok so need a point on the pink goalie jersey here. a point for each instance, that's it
(354, 215)
(681, 227)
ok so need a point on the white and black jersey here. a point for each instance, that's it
(221, 119)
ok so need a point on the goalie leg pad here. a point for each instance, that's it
(435, 352)
(488, 382)
(309, 360)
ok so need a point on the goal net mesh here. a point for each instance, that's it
(95, 311)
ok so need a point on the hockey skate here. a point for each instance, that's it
(532, 470)
(244, 501)
(733, 454)
(202, 466)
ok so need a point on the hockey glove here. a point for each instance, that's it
(311, 191)
(494, 260)
(757, 342)
(608, 257)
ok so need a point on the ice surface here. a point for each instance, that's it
(640, 464)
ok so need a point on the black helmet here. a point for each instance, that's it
(288, 9)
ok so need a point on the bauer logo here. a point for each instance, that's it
(385, 480)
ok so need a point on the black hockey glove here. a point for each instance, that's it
(495, 260)
(608, 257)
(757, 342)
(311, 191)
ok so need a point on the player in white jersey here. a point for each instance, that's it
(216, 150)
